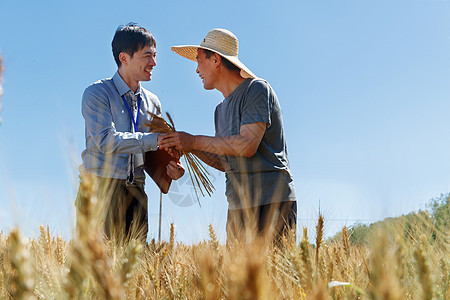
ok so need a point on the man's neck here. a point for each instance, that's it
(132, 84)
(229, 82)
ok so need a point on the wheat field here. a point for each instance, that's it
(393, 265)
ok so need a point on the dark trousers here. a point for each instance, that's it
(120, 209)
(270, 222)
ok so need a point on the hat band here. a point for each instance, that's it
(221, 49)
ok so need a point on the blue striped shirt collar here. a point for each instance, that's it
(121, 85)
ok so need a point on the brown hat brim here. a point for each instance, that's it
(190, 52)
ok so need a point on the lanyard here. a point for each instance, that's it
(135, 123)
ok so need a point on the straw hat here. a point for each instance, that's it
(220, 41)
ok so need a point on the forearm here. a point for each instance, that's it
(111, 141)
(235, 145)
(101, 129)
(245, 144)
(218, 162)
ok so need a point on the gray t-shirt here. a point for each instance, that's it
(265, 177)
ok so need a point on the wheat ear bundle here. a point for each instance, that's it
(197, 171)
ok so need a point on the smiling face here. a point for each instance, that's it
(205, 69)
(141, 64)
(137, 67)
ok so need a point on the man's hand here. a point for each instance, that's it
(175, 170)
(182, 141)
(171, 150)
(174, 152)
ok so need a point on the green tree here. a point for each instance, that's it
(440, 211)
(435, 219)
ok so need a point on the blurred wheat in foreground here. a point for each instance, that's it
(403, 259)
(400, 258)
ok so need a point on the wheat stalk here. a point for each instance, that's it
(423, 270)
(304, 246)
(172, 236)
(22, 281)
(214, 241)
(60, 250)
(319, 236)
(45, 240)
(130, 260)
(345, 241)
(444, 276)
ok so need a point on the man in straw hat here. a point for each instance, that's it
(116, 114)
(249, 144)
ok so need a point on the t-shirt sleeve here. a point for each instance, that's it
(257, 105)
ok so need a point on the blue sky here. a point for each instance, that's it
(363, 85)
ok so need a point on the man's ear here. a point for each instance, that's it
(217, 59)
(124, 58)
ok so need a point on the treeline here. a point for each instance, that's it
(434, 220)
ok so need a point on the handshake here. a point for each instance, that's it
(175, 144)
(178, 144)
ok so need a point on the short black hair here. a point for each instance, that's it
(228, 64)
(129, 39)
